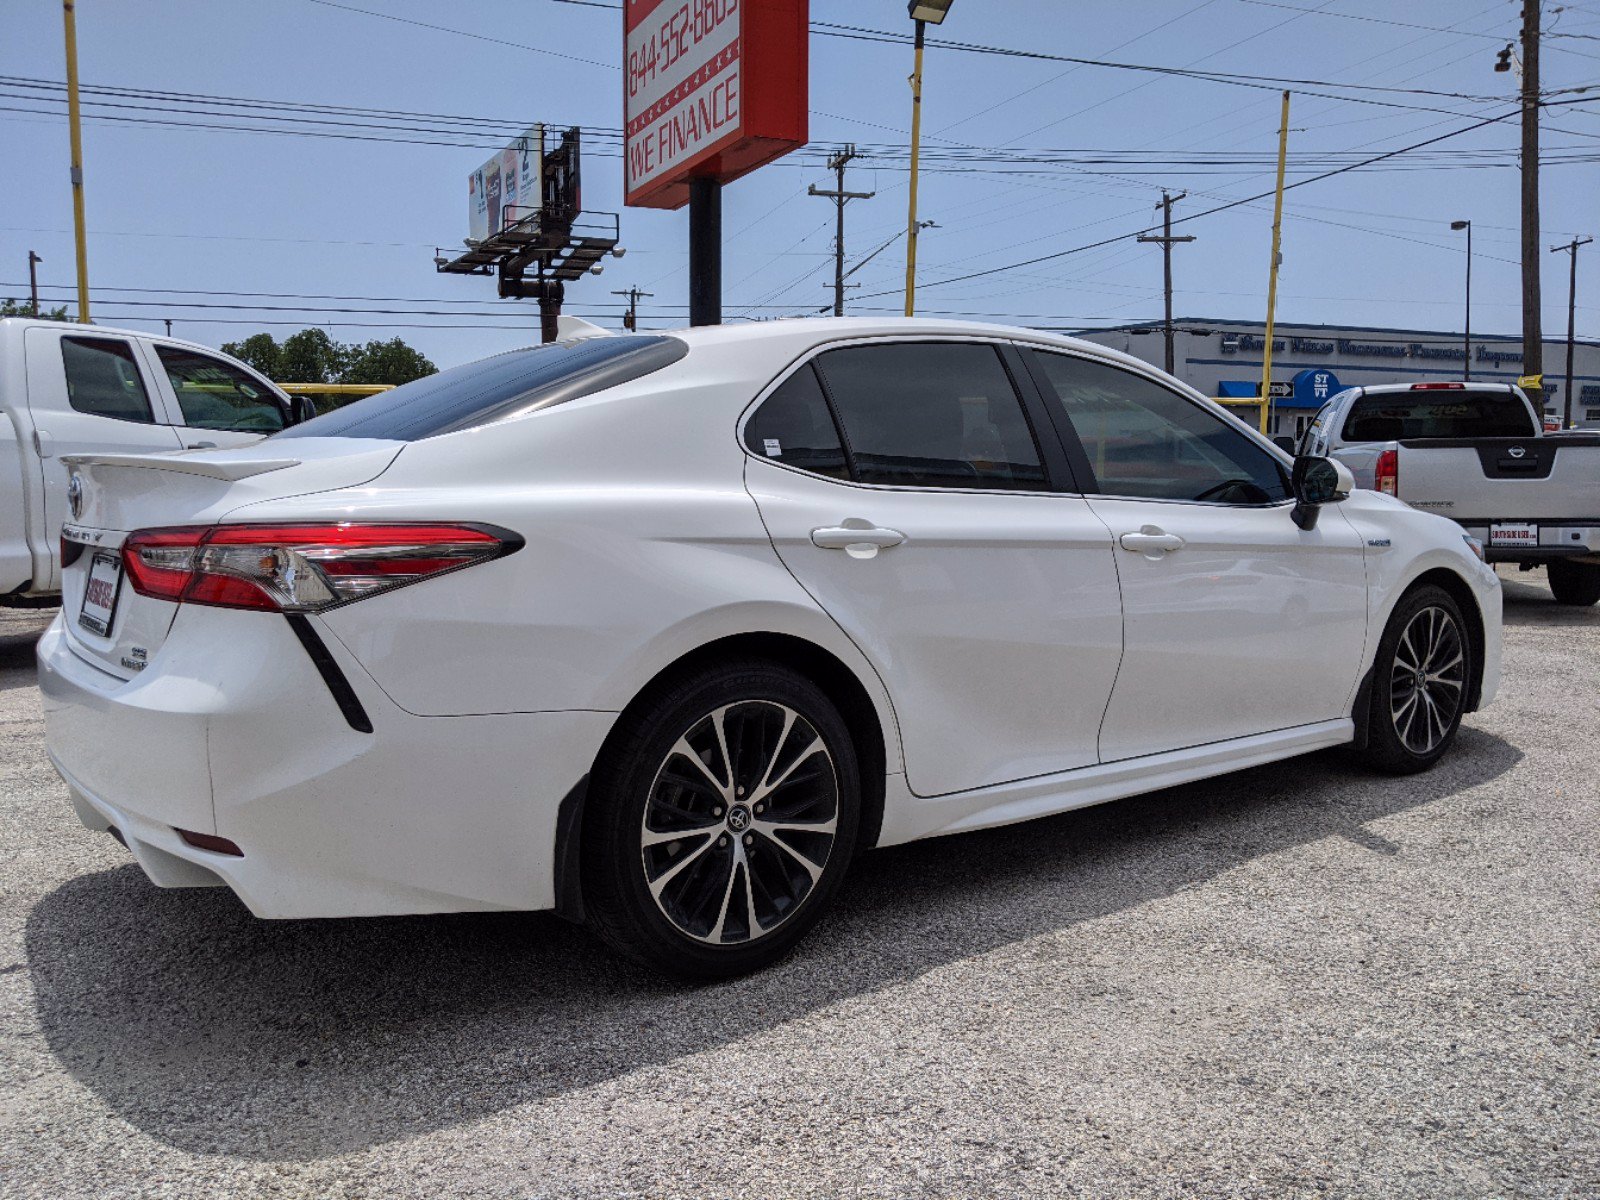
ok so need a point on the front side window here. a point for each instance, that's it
(932, 414)
(1145, 441)
(103, 379)
(793, 426)
(213, 395)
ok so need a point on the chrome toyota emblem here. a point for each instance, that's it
(75, 497)
(1516, 451)
(739, 819)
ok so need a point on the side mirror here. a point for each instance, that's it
(301, 409)
(1315, 482)
(1284, 442)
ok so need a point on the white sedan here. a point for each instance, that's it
(660, 631)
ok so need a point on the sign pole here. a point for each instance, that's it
(1272, 281)
(705, 251)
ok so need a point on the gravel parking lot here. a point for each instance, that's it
(1299, 981)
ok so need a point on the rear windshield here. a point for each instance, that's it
(1402, 416)
(492, 389)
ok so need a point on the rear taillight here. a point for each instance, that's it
(300, 568)
(1387, 472)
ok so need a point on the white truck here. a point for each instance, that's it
(1478, 454)
(84, 389)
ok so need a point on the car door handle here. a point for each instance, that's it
(859, 538)
(1151, 541)
(200, 446)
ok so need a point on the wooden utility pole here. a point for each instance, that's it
(33, 282)
(1572, 313)
(1272, 278)
(1532, 332)
(840, 197)
(630, 319)
(1166, 239)
(75, 134)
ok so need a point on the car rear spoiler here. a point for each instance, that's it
(229, 469)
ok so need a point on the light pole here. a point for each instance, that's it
(1466, 337)
(922, 12)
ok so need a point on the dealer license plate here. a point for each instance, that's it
(100, 593)
(1518, 533)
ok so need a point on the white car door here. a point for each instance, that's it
(949, 548)
(87, 393)
(1236, 621)
(215, 403)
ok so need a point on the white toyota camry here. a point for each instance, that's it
(660, 631)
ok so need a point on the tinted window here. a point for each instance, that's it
(103, 379)
(793, 426)
(493, 389)
(1437, 414)
(214, 395)
(932, 414)
(1143, 440)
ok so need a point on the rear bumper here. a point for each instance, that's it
(231, 731)
(1557, 539)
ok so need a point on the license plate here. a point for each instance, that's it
(100, 593)
(1518, 533)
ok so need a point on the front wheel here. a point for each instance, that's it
(1577, 584)
(1419, 683)
(720, 820)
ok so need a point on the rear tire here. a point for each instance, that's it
(1419, 683)
(720, 820)
(1577, 584)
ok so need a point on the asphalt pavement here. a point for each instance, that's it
(1299, 981)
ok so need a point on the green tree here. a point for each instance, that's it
(386, 362)
(311, 356)
(15, 308)
(261, 351)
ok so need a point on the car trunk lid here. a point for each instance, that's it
(109, 624)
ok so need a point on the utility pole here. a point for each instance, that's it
(840, 197)
(1166, 239)
(168, 321)
(1272, 279)
(1532, 333)
(76, 135)
(1572, 310)
(33, 281)
(630, 319)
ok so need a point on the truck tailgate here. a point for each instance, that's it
(1479, 480)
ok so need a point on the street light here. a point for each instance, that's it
(1466, 337)
(922, 12)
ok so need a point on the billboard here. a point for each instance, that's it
(508, 188)
(710, 88)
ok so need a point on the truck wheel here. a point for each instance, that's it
(1419, 683)
(1577, 584)
(721, 818)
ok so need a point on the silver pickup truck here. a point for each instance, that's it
(1478, 454)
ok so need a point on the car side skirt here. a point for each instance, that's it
(908, 817)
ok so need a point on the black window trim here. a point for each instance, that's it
(1079, 456)
(152, 396)
(1059, 477)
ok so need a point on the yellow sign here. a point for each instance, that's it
(1531, 382)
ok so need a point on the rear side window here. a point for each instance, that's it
(932, 414)
(103, 379)
(1402, 416)
(493, 389)
(793, 426)
(214, 395)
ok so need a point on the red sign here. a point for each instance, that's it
(711, 88)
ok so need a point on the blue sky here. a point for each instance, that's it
(224, 211)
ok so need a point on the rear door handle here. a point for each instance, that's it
(1152, 541)
(856, 537)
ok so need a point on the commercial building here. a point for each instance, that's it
(1312, 362)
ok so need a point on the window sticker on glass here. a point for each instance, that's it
(774, 447)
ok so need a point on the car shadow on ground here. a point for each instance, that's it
(218, 1033)
(1527, 602)
(19, 634)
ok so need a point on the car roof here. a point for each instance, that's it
(1384, 389)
